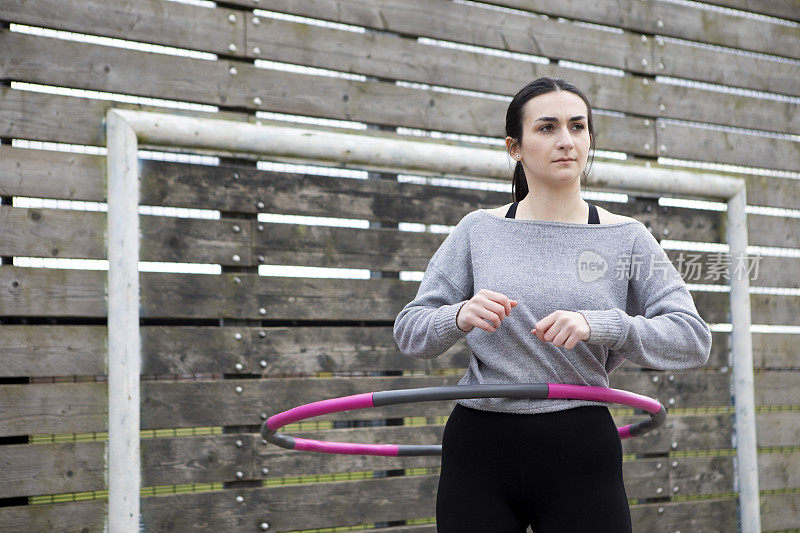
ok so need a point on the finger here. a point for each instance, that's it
(498, 308)
(489, 316)
(501, 299)
(544, 324)
(571, 342)
(552, 331)
(559, 339)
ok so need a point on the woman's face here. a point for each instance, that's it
(545, 140)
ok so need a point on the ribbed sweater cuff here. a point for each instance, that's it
(605, 326)
(445, 323)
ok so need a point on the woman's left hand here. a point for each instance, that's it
(562, 328)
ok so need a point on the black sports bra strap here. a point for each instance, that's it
(594, 217)
(512, 210)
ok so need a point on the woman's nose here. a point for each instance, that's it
(564, 139)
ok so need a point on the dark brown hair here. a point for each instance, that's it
(543, 85)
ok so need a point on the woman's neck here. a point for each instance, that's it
(556, 207)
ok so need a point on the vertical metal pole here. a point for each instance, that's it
(124, 365)
(746, 453)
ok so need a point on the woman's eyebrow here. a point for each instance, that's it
(554, 119)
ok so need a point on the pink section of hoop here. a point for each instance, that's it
(322, 407)
(625, 432)
(349, 448)
(582, 392)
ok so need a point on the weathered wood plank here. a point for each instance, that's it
(776, 387)
(81, 351)
(711, 515)
(167, 404)
(56, 408)
(149, 21)
(82, 235)
(122, 70)
(720, 268)
(700, 475)
(49, 174)
(30, 470)
(694, 389)
(53, 350)
(780, 428)
(786, 9)
(778, 471)
(71, 293)
(292, 506)
(197, 350)
(644, 477)
(680, 433)
(714, 66)
(168, 461)
(68, 119)
(676, 20)
(78, 517)
(775, 351)
(715, 475)
(780, 511)
(727, 147)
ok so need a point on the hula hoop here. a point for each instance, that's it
(658, 413)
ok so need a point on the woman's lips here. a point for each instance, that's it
(564, 161)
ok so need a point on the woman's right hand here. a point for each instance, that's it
(485, 305)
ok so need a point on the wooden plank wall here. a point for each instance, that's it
(221, 351)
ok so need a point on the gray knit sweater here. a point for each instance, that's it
(617, 275)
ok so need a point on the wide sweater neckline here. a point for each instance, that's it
(555, 222)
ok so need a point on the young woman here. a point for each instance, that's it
(548, 288)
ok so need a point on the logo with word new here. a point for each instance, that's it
(591, 266)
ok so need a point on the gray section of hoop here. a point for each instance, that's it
(392, 397)
(429, 394)
(655, 420)
(454, 392)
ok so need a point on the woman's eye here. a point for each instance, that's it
(580, 126)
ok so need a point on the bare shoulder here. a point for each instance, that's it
(499, 211)
(607, 217)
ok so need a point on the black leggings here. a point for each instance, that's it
(557, 471)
